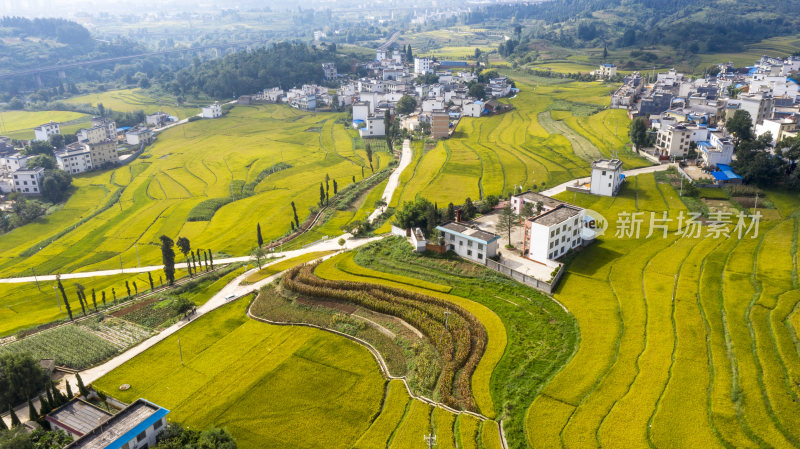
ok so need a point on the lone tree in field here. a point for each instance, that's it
(294, 212)
(150, 278)
(64, 296)
(258, 253)
(335, 187)
(638, 134)
(258, 235)
(168, 258)
(369, 158)
(507, 222)
(185, 246)
(321, 195)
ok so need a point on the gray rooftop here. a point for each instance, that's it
(556, 216)
(117, 426)
(607, 164)
(469, 231)
(548, 202)
(79, 416)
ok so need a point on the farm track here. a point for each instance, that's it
(580, 145)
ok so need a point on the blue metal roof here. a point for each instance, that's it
(142, 426)
(453, 63)
(725, 173)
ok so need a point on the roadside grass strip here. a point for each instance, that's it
(415, 425)
(496, 337)
(282, 265)
(395, 404)
(258, 381)
(346, 264)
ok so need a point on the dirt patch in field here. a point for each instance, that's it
(122, 312)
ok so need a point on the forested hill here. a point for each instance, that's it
(285, 65)
(690, 25)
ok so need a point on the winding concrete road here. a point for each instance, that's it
(394, 179)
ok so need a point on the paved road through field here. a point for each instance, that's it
(394, 179)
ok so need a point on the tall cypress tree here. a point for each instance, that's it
(294, 212)
(210, 258)
(3, 425)
(205, 256)
(81, 387)
(64, 297)
(168, 258)
(194, 263)
(128, 287)
(259, 239)
(335, 187)
(51, 401)
(69, 390)
(135, 288)
(94, 300)
(103, 297)
(44, 406)
(114, 294)
(150, 278)
(33, 416)
(321, 195)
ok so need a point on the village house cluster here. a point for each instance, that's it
(689, 115)
(391, 77)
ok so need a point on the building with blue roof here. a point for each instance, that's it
(726, 175)
(135, 427)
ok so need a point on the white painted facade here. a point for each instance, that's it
(549, 236)
(470, 243)
(43, 132)
(422, 66)
(28, 182)
(375, 127)
(74, 160)
(606, 178)
(212, 111)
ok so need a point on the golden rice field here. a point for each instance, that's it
(494, 155)
(115, 217)
(132, 100)
(20, 124)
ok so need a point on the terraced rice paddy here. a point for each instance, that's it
(20, 124)
(258, 381)
(684, 342)
(527, 147)
(156, 192)
(132, 100)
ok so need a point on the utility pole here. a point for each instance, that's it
(681, 195)
(431, 440)
(180, 351)
(35, 279)
(121, 269)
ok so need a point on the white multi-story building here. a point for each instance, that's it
(74, 159)
(157, 120)
(13, 162)
(606, 71)
(778, 128)
(212, 111)
(469, 242)
(718, 149)
(675, 140)
(95, 134)
(28, 181)
(329, 70)
(381, 54)
(423, 66)
(541, 203)
(606, 177)
(138, 136)
(759, 104)
(361, 111)
(549, 235)
(375, 127)
(44, 132)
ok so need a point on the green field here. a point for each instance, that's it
(20, 124)
(131, 100)
(493, 155)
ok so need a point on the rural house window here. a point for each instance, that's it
(141, 436)
(551, 245)
(158, 424)
(604, 172)
(460, 243)
(480, 256)
(452, 237)
(480, 245)
(469, 252)
(469, 243)
(552, 233)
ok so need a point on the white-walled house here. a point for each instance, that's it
(13, 162)
(469, 242)
(547, 203)
(137, 426)
(361, 111)
(157, 120)
(551, 234)
(28, 181)
(138, 136)
(718, 149)
(473, 109)
(423, 66)
(375, 127)
(606, 177)
(43, 132)
(74, 159)
(212, 111)
(778, 128)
